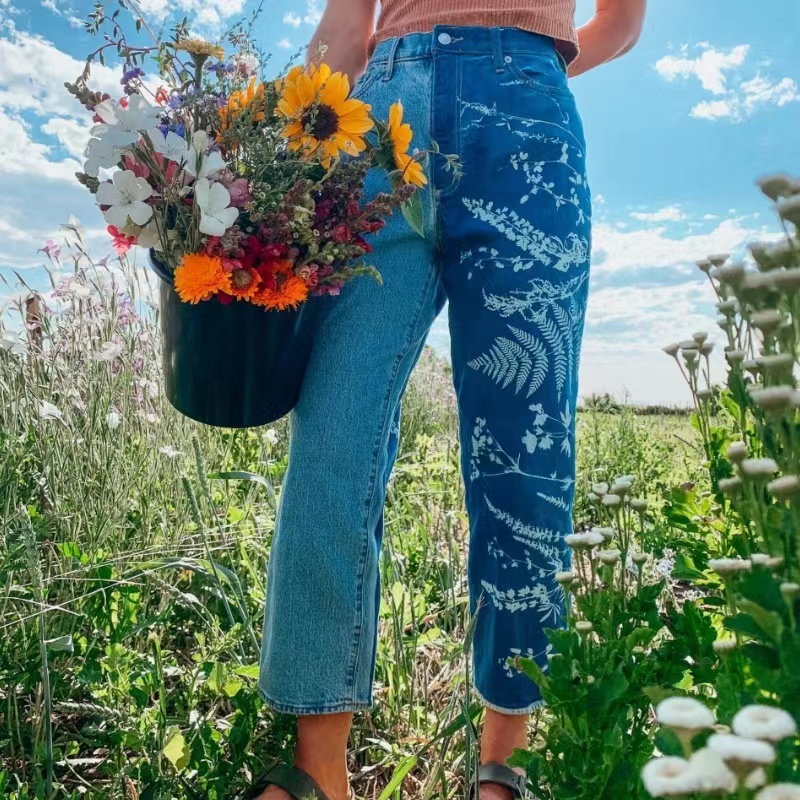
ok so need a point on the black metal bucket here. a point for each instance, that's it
(235, 365)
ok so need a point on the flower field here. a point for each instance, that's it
(135, 542)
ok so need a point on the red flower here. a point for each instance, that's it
(120, 241)
(223, 298)
(162, 96)
(362, 243)
(341, 234)
(136, 167)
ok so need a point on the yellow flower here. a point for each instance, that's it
(400, 136)
(251, 98)
(323, 121)
(200, 47)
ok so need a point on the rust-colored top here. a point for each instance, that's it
(554, 18)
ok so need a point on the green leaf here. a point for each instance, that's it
(61, 644)
(413, 213)
(243, 475)
(760, 587)
(176, 750)
(744, 624)
(400, 772)
(216, 678)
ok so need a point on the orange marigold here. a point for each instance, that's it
(289, 290)
(249, 100)
(244, 284)
(199, 277)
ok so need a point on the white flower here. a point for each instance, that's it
(126, 198)
(565, 578)
(668, 776)
(785, 486)
(776, 361)
(12, 344)
(108, 352)
(759, 467)
(684, 713)
(639, 558)
(780, 791)
(49, 411)
(764, 722)
(672, 349)
(711, 772)
(725, 645)
(600, 489)
(122, 125)
(736, 452)
(606, 533)
(100, 153)
(729, 566)
(760, 560)
(169, 451)
(611, 500)
(200, 164)
(766, 320)
(638, 504)
(741, 754)
(216, 213)
(620, 487)
(608, 556)
(113, 420)
(584, 626)
(271, 435)
(772, 398)
(171, 146)
(730, 485)
(578, 541)
(755, 779)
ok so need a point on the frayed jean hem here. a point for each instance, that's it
(514, 712)
(309, 711)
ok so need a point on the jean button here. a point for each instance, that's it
(445, 38)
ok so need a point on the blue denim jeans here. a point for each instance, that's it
(507, 246)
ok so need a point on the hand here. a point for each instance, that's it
(343, 33)
(611, 33)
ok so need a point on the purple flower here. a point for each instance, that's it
(131, 74)
(180, 130)
(176, 101)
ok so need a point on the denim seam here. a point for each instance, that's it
(513, 712)
(324, 708)
(449, 190)
(373, 482)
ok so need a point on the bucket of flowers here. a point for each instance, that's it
(249, 196)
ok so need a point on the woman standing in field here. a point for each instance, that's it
(508, 246)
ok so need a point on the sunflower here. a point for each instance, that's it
(322, 120)
(285, 290)
(200, 47)
(199, 277)
(400, 136)
(250, 99)
(245, 284)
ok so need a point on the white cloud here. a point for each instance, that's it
(709, 67)
(734, 97)
(285, 44)
(312, 16)
(72, 134)
(203, 13)
(292, 19)
(666, 214)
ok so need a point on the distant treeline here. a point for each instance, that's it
(608, 404)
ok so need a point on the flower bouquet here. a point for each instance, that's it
(249, 195)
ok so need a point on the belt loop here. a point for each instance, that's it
(389, 71)
(497, 50)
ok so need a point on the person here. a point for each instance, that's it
(507, 245)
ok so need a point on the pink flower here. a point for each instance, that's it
(240, 193)
(51, 250)
(136, 167)
(120, 241)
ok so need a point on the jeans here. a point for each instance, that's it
(507, 246)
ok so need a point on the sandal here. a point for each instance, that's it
(298, 783)
(494, 772)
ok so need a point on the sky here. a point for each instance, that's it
(677, 132)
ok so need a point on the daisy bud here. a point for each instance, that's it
(735, 356)
(780, 791)
(764, 722)
(620, 487)
(789, 209)
(774, 362)
(729, 566)
(593, 498)
(704, 265)
(788, 278)
(732, 273)
(736, 452)
(581, 541)
(638, 650)
(775, 186)
(727, 307)
(590, 679)
(741, 754)
(565, 578)
(790, 590)
(600, 489)
(760, 559)
(724, 323)
(584, 626)
(606, 533)
(688, 344)
(669, 776)
(758, 467)
(639, 504)
(672, 349)
(639, 558)
(690, 356)
(730, 485)
(772, 398)
(725, 645)
(706, 348)
(784, 487)
(684, 714)
(608, 557)
(611, 500)
(705, 394)
(752, 366)
(775, 562)
(700, 337)
(767, 321)
(712, 773)
(719, 259)
(756, 282)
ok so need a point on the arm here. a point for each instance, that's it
(611, 33)
(344, 31)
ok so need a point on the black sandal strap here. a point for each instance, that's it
(502, 775)
(297, 782)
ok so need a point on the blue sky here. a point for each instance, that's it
(677, 131)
